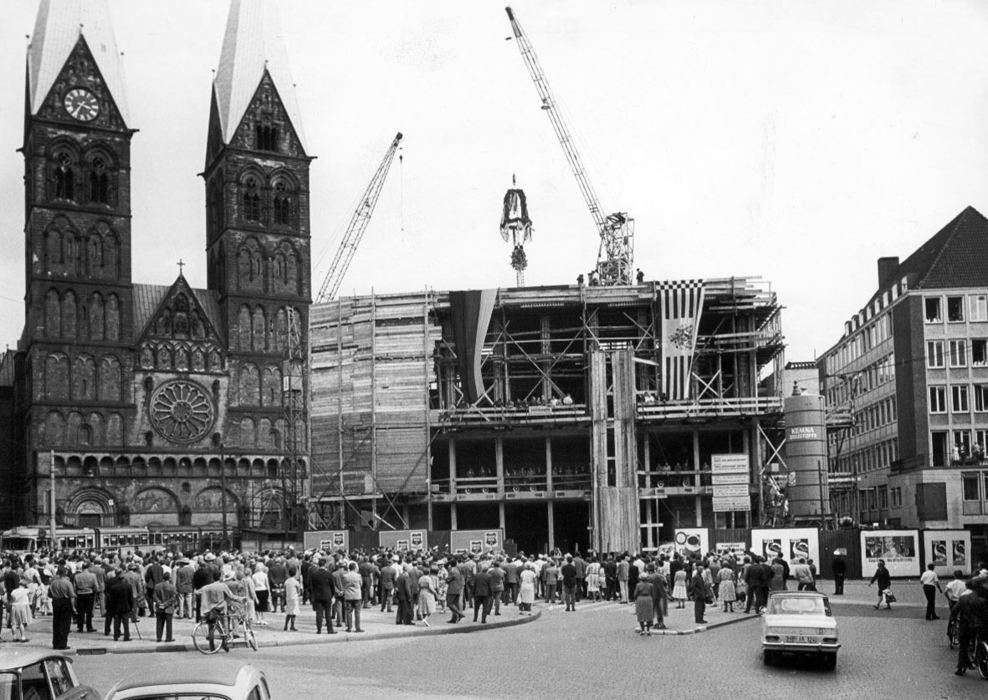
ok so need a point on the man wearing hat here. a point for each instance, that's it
(183, 573)
(839, 566)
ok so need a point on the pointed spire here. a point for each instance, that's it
(253, 44)
(56, 33)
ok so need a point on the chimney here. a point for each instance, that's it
(886, 269)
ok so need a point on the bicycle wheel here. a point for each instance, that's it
(200, 638)
(249, 637)
(981, 659)
(953, 634)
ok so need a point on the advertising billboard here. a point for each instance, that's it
(948, 551)
(898, 548)
(692, 541)
(792, 543)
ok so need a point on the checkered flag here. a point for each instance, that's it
(680, 306)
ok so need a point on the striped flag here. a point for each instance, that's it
(680, 306)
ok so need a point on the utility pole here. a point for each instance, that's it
(51, 505)
(218, 443)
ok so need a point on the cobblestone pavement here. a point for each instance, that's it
(884, 654)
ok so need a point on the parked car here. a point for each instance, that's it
(40, 674)
(248, 683)
(800, 622)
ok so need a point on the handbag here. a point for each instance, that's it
(889, 595)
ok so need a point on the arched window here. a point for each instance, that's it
(251, 200)
(64, 176)
(267, 137)
(282, 204)
(99, 181)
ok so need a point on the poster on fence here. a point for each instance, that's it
(790, 543)
(692, 541)
(327, 540)
(476, 541)
(735, 550)
(403, 539)
(948, 551)
(898, 548)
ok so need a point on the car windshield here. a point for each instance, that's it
(798, 605)
(180, 696)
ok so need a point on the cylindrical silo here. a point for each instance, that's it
(806, 456)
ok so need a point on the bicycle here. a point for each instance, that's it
(979, 655)
(953, 629)
(226, 629)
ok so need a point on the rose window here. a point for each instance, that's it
(181, 411)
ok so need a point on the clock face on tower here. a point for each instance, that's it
(81, 104)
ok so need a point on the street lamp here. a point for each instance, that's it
(218, 444)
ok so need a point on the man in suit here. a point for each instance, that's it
(839, 566)
(322, 591)
(496, 573)
(404, 598)
(153, 575)
(482, 595)
(698, 588)
(120, 604)
(165, 603)
(389, 572)
(510, 582)
(454, 587)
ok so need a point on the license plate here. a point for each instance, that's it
(799, 639)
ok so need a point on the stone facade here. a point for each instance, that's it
(146, 399)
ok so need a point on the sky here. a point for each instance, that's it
(787, 140)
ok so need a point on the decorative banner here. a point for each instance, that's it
(947, 550)
(692, 541)
(898, 548)
(680, 306)
(476, 547)
(792, 543)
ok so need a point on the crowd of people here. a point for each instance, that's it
(76, 587)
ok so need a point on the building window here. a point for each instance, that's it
(971, 487)
(933, 314)
(883, 497)
(979, 352)
(955, 309)
(939, 440)
(282, 205)
(978, 307)
(99, 181)
(958, 353)
(981, 398)
(267, 137)
(251, 200)
(64, 177)
(958, 399)
(938, 399)
(934, 353)
(962, 445)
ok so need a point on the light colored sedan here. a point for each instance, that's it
(247, 683)
(800, 622)
(33, 674)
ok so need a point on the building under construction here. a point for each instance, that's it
(570, 416)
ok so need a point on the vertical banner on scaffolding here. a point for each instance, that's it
(680, 306)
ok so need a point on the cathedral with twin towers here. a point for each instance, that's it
(154, 405)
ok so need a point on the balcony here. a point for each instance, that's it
(519, 487)
(702, 409)
(492, 416)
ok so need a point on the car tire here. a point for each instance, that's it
(830, 661)
(769, 658)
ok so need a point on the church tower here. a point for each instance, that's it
(77, 236)
(257, 230)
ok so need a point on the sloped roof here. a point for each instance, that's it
(148, 297)
(252, 44)
(957, 256)
(57, 29)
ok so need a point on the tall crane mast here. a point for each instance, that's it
(615, 257)
(355, 230)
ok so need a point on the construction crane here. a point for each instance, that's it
(358, 224)
(615, 257)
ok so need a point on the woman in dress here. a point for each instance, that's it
(526, 590)
(593, 584)
(293, 598)
(644, 606)
(20, 609)
(260, 579)
(428, 593)
(726, 591)
(441, 579)
(250, 594)
(679, 589)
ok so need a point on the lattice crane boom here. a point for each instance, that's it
(358, 224)
(615, 257)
